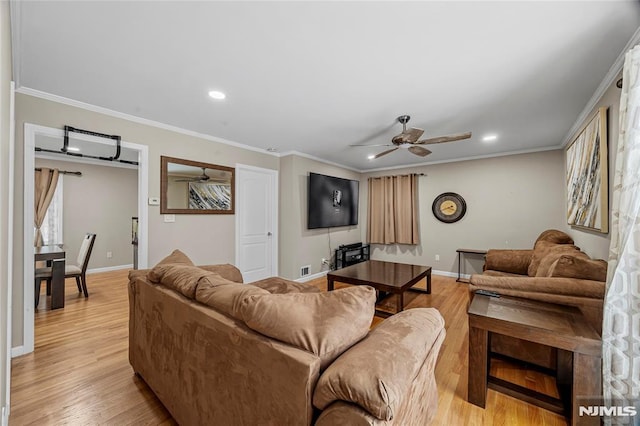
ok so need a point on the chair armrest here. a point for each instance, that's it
(512, 261)
(378, 373)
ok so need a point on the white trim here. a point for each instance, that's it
(274, 221)
(475, 157)
(5, 415)
(321, 160)
(311, 277)
(450, 274)
(17, 351)
(109, 269)
(112, 113)
(30, 131)
(606, 82)
(15, 8)
(84, 160)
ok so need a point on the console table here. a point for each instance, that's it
(462, 251)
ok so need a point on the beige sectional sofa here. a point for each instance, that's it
(276, 352)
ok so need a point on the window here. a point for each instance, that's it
(52, 226)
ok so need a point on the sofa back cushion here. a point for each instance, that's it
(554, 236)
(567, 266)
(376, 373)
(543, 249)
(224, 295)
(556, 253)
(227, 271)
(181, 278)
(175, 258)
(325, 324)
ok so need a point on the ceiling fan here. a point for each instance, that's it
(202, 178)
(409, 139)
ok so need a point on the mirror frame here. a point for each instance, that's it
(164, 172)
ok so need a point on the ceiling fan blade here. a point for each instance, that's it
(408, 136)
(378, 144)
(418, 150)
(384, 153)
(441, 139)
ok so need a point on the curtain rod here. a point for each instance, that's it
(64, 172)
(410, 174)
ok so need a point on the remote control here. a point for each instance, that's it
(488, 293)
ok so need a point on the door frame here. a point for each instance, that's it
(240, 210)
(30, 132)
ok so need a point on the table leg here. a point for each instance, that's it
(329, 284)
(429, 282)
(459, 256)
(478, 366)
(57, 284)
(586, 383)
(400, 302)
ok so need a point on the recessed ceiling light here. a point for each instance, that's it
(490, 138)
(216, 94)
(73, 149)
(371, 157)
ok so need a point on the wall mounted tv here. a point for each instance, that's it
(332, 202)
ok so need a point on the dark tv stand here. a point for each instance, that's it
(351, 254)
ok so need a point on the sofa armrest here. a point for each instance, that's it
(341, 413)
(512, 261)
(526, 286)
(380, 373)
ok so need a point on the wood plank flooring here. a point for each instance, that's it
(80, 374)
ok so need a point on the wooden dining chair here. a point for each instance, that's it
(78, 271)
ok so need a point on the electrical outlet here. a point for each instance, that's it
(325, 261)
(169, 218)
(109, 254)
(437, 258)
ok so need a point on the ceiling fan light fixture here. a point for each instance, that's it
(490, 138)
(218, 95)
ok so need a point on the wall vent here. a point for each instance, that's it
(304, 270)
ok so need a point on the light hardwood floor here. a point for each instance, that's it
(80, 373)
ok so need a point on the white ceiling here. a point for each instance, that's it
(315, 77)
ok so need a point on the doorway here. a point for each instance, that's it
(31, 134)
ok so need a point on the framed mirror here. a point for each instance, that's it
(191, 187)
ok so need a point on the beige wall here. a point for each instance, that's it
(510, 200)
(300, 246)
(596, 244)
(205, 238)
(101, 201)
(5, 142)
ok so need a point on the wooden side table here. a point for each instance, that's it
(562, 327)
(462, 251)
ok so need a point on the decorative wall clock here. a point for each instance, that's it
(449, 207)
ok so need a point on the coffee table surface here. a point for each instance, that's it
(386, 276)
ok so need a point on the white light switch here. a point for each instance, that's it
(154, 201)
(169, 218)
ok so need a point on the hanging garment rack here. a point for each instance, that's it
(65, 146)
(64, 172)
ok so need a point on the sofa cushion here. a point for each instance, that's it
(277, 285)
(556, 253)
(224, 295)
(175, 258)
(226, 270)
(181, 278)
(554, 236)
(324, 323)
(376, 373)
(544, 248)
(578, 267)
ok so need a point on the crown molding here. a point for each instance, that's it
(321, 160)
(144, 121)
(607, 81)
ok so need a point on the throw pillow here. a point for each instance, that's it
(377, 372)
(181, 278)
(325, 324)
(554, 254)
(542, 249)
(224, 295)
(175, 258)
(576, 267)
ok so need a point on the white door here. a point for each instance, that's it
(256, 222)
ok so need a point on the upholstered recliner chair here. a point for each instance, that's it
(554, 271)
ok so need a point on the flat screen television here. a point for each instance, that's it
(332, 202)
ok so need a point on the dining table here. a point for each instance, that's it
(55, 255)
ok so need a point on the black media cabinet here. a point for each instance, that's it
(351, 254)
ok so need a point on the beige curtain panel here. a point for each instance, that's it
(45, 186)
(393, 210)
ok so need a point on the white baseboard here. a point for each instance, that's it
(17, 351)
(450, 274)
(109, 268)
(311, 277)
(5, 416)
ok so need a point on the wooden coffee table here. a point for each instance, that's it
(388, 277)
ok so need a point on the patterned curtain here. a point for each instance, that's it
(45, 186)
(621, 326)
(393, 210)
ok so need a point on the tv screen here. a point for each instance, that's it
(332, 202)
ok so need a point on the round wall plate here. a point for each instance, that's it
(449, 207)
